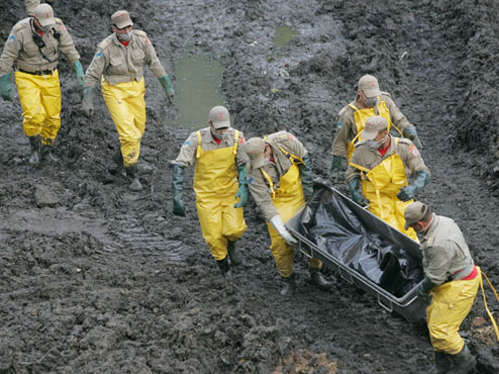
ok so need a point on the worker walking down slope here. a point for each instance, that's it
(370, 101)
(280, 181)
(451, 279)
(33, 48)
(377, 173)
(219, 183)
(119, 67)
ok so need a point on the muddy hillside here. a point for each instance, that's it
(97, 279)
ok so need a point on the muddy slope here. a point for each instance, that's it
(94, 278)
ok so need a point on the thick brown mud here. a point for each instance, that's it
(96, 279)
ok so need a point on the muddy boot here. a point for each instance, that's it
(443, 363)
(317, 279)
(131, 172)
(35, 145)
(289, 286)
(224, 267)
(464, 361)
(118, 160)
(47, 155)
(234, 253)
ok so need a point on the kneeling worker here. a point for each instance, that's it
(280, 180)
(452, 279)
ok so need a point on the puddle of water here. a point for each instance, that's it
(197, 90)
(283, 35)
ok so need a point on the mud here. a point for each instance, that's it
(95, 279)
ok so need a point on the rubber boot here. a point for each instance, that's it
(131, 171)
(289, 286)
(464, 361)
(118, 159)
(47, 155)
(317, 279)
(224, 267)
(443, 363)
(35, 145)
(234, 253)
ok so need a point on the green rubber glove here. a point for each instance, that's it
(356, 193)
(242, 192)
(88, 105)
(411, 133)
(306, 177)
(334, 173)
(6, 87)
(80, 76)
(424, 287)
(409, 192)
(178, 190)
(167, 85)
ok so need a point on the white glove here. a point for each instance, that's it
(276, 221)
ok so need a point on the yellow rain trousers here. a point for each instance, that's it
(40, 97)
(380, 186)
(287, 199)
(451, 302)
(125, 101)
(361, 116)
(215, 184)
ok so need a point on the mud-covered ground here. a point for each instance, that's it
(96, 279)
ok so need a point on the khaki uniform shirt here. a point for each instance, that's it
(187, 155)
(31, 5)
(347, 129)
(369, 158)
(119, 64)
(257, 183)
(21, 49)
(445, 251)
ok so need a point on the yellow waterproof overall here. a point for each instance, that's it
(40, 97)
(287, 199)
(361, 116)
(216, 184)
(381, 185)
(451, 302)
(125, 101)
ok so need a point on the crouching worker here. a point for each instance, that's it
(451, 279)
(280, 180)
(219, 183)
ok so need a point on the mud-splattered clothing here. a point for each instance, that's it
(187, 155)
(347, 128)
(119, 64)
(21, 49)
(257, 184)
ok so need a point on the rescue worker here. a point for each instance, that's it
(377, 176)
(370, 101)
(119, 67)
(32, 4)
(219, 181)
(33, 48)
(451, 279)
(280, 181)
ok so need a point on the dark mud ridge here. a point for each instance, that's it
(95, 279)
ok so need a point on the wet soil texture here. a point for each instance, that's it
(96, 279)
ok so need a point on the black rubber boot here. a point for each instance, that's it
(317, 279)
(131, 172)
(224, 267)
(289, 286)
(234, 254)
(35, 145)
(464, 361)
(443, 363)
(48, 155)
(118, 159)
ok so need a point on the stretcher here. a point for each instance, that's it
(363, 249)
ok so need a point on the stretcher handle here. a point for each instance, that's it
(349, 279)
(387, 308)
